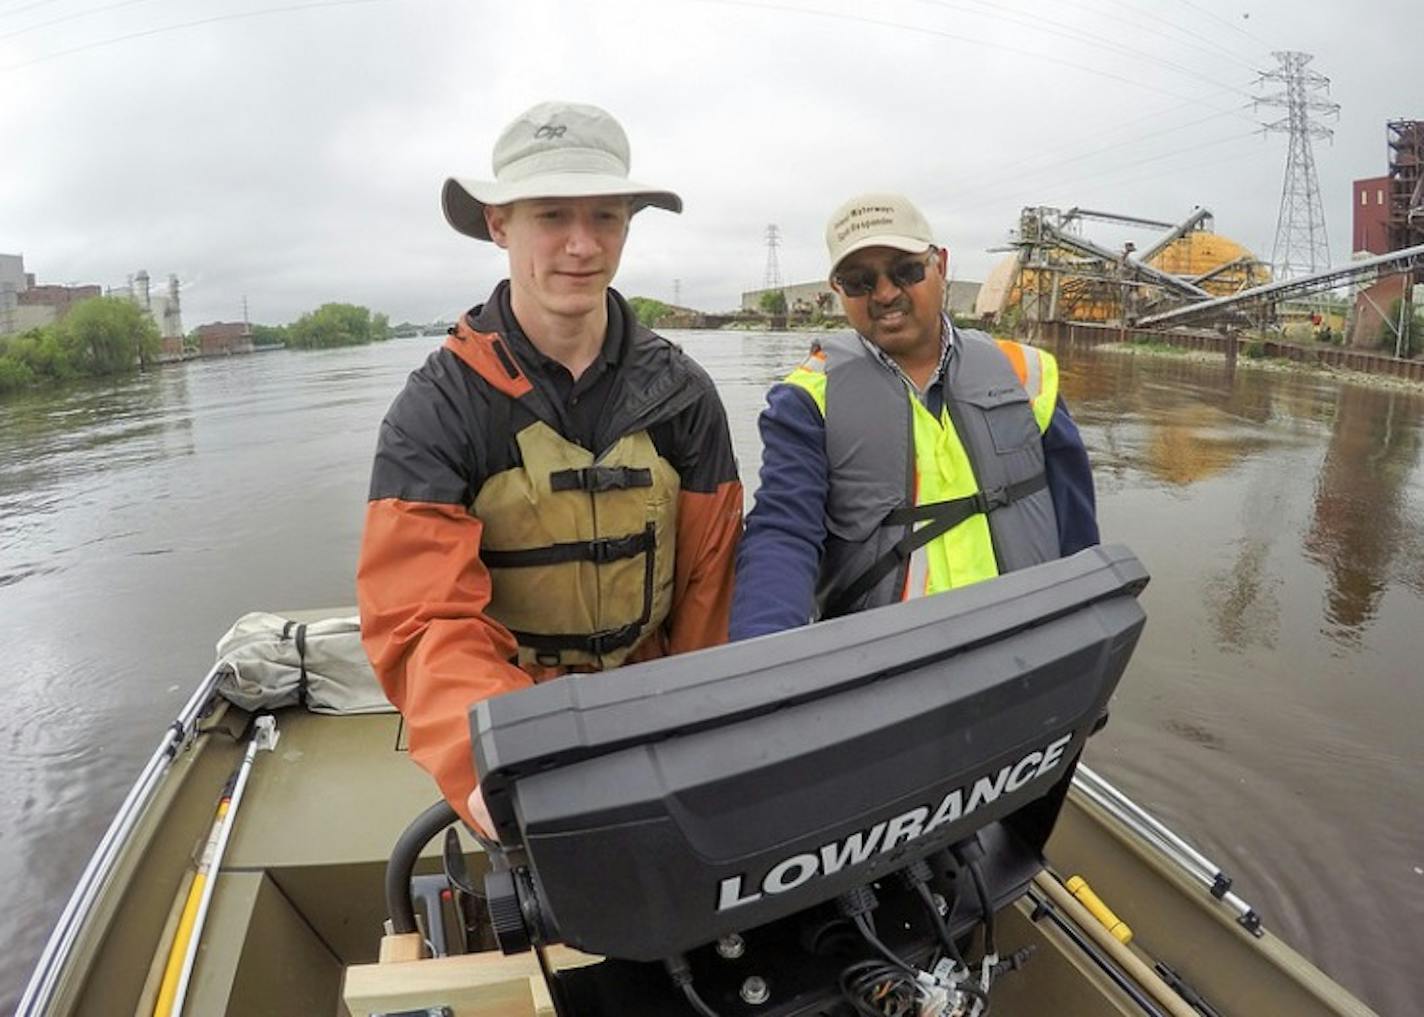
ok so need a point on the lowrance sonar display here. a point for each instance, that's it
(649, 811)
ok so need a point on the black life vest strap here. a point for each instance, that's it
(601, 551)
(548, 646)
(938, 517)
(596, 479)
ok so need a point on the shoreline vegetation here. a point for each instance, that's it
(110, 337)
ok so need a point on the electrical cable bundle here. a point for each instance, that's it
(875, 988)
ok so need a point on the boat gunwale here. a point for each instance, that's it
(59, 949)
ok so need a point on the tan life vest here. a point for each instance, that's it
(580, 548)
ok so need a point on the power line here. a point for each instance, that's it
(1176, 153)
(1234, 27)
(1072, 32)
(72, 17)
(26, 7)
(1137, 11)
(237, 16)
(1056, 167)
(764, 5)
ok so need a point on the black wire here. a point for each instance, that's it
(941, 929)
(870, 937)
(422, 830)
(696, 1001)
(860, 979)
(978, 994)
(976, 873)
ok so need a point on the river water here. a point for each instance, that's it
(1272, 713)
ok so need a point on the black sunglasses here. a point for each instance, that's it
(861, 282)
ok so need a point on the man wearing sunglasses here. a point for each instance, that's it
(910, 457)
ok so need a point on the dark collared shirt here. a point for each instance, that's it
(581, 403)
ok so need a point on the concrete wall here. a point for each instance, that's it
(12, 271)
(811, 294)
(28, 316)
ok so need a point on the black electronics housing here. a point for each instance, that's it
(647, 812)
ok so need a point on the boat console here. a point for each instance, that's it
(769, 805)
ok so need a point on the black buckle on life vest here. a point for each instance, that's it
(547, 646)
(988, 501)
(601, 552)
(597, 479)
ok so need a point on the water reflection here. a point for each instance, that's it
(1362, 519)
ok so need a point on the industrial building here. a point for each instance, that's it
(24, 304)
(1058, 273)
(222, 338)
(164, 308)
(810, 298)
(1388, 214)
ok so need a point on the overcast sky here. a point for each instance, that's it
(293, 152)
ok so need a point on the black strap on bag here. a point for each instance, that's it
(301, 638)
(939, 518)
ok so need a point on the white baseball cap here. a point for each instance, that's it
(878, 219)
(554, 150)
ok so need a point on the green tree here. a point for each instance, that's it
(380, 327)
(773, 302)
(108, 335)
(99, 337)
(648, 311)
(331, 325)
(14, 375)
(269, 335)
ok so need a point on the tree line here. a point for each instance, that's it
(329, 326)
(100, 337)
(110, 336)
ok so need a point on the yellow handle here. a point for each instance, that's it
(1116, 927)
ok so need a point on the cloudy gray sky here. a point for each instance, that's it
(293, 152)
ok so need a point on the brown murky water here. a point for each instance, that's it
(1272, 713)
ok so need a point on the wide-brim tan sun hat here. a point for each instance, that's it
(554, 150)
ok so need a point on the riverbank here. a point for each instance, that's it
(1264, 362)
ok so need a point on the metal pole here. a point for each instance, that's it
(1150, 829)
(264, 736)
(39, 993)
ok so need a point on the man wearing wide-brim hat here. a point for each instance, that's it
(554, 490)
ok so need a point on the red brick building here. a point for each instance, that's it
(222, 337)
(1371, 215)
(61, 298)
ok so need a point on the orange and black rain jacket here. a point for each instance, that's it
(422, 587)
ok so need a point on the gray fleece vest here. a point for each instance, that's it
(870, 451)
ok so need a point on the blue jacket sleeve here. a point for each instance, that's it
(1070, 483)
(780, 552)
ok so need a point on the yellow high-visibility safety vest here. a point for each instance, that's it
(944, 469)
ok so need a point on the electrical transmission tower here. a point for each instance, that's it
(1301, 247)
(772, 279)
